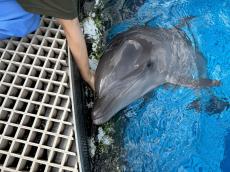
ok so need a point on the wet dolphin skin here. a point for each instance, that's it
(141, 59)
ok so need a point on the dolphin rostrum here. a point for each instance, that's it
(141, 59)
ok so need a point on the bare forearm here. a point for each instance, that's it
(78, 47)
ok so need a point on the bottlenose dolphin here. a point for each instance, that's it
(141, 59)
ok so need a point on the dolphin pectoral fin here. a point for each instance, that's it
(208, 83)
(200, 83)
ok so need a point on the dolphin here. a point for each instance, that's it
(141, 59)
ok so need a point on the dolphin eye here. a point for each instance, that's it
(149, 64)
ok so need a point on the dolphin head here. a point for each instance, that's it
(141, 59)
(131, 66)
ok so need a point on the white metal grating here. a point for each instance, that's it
(36, 128)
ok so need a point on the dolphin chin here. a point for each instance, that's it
(103, 107)
(99, 111)
(141, 59)
(99, 121)
(111, 104)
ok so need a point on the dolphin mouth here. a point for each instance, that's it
(101, 114)
(101, 119)
(107, 106)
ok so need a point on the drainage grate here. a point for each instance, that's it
(36, 128)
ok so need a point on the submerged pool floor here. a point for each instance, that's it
(175, 128)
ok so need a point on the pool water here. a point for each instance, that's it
(176, 128)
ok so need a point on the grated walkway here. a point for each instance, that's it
(36, 123)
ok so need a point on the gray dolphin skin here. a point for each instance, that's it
(141, 59)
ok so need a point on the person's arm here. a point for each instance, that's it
(76, 42)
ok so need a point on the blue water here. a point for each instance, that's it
(163, 131)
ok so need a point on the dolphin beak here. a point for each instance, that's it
(99, 114)
(116, 98)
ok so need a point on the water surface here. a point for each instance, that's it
(175, 128)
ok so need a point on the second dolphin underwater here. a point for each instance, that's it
(141, 59)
